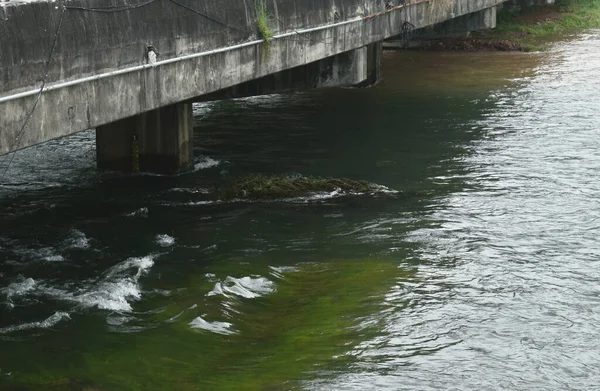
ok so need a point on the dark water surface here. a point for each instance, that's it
(481, 273)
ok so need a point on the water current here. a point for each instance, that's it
(480, 273)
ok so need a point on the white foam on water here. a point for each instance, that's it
(142, 212)
(47, 254)
(382, 189)
(247, 287)
(191, 190)
(52, 320)
(205, 163)
(215, 327)
(165, 240)
(142, 264)
(78, 240)
(113, 296)
(115, 292)
(17, 289)
(54, 258)
(190, 203)
(217, 290)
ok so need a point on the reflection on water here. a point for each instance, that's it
(479, 273)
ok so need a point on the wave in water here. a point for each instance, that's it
(16, 289)
(119, 288)
(215, 327)
(206, 162)
(52, 320)
(142, 212)
(47, 254)
(374, 189)
(78, 240)
(247, 287)
(165, 240)
(115, 291)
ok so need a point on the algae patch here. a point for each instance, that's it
(262, 187)
(311, 321)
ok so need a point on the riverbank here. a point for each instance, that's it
(525, 29)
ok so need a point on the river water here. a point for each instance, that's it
(480, 273)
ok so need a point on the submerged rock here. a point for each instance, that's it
(470, 45)
(264, 187)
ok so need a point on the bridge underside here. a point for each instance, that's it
(132, 71)
(161, 140)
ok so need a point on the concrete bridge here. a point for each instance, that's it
(131, 68)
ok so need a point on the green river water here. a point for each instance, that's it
(478, 272)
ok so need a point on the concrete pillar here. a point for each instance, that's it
(159, 141)
(345, 69)
(374, 73)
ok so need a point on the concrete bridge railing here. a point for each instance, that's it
(125, 66)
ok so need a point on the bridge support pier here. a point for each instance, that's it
(157, 141)
(374, 52)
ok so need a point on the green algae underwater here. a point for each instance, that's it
(311, 321)
(327, 268)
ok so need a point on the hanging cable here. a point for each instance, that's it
(140, 5)
(207, 16)
(110, 9)
(39, 95)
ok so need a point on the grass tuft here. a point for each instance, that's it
(262, 21)
(566, 17)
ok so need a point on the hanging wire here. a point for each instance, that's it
(111, 8)
(407, 32)
(207, 16)
(143, 4)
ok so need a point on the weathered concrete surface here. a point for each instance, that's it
(160, 141)
(457, 27)
(222, 46)
(346, 69)
(482, 20)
